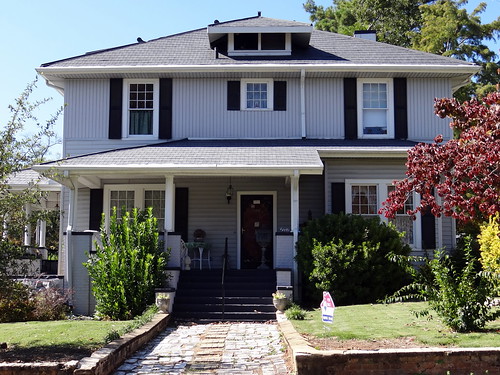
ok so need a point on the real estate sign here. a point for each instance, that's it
(327, 308)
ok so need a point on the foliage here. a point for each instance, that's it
(138, 322)
(489, 241)
(442, 27)
(461, 297)
(16, 304)
(17, 152)
(464, 172)
(128, 265)
(279, 295)
(349, 256)
(295, 312)
(51, 304)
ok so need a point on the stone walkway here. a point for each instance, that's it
(221, 348)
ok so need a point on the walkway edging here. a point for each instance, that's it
(308, 360)
(105, 360)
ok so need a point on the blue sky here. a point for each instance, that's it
(36, 32)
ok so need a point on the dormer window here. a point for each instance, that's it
(257, 44)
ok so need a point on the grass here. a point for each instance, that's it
(82, 334)
(375, 322)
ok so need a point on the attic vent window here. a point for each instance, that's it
(259, 44)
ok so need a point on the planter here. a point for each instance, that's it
(280, 303)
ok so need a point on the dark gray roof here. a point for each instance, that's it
(244, 154)
(193, 48)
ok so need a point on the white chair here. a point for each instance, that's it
(200, 255)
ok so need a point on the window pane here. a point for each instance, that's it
(122, 199)
(364, 199)
(256, 95)
(246, 41)
(141, 122)
(272, 41)
(156, 200)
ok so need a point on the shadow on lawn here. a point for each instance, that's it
(56, 353)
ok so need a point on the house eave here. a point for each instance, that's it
(366, 152)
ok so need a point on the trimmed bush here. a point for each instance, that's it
(350, 257)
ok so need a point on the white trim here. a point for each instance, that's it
(274, 193)
(228, 29)
(270, 93)
(382, 193)
(287, 51)
(389, 110)
(126, 109)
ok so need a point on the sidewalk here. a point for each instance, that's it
(220, 348)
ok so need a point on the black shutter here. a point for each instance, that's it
(338, 197)
(115, 108)
(96, 207)
(279, 95)
(181, 212)
(428, 230)
(233, 95)
(165, 121)
(350, 109)
(400, 109)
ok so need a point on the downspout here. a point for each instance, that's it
(303, 102)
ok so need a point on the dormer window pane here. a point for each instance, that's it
(273, 41)
(246, 41)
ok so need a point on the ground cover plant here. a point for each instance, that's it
(374, 326)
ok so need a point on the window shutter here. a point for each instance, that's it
(428, 230)
(233, 95)
(181, 212)
(400, 109)
(350, 109)
(115, 108)
(165, 120)
(338, 197)
(279, 95)
(96, 207)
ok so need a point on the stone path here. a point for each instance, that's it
(221, 348)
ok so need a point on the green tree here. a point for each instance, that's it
(17, 152)
(441, 27)
(128, 265)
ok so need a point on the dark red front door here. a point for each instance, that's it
(257, 231)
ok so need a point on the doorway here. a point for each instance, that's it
(256, 221)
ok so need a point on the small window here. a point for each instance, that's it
(257, 95)
(364, 199)
(273, 41)
(141, 117)
(245, 42)
(375, 109)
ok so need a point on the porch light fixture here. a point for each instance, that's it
(229, 192)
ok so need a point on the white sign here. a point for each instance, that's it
(327, 308)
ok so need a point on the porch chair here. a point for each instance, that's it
(196, 256)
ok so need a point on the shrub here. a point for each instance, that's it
(349, 256)
(295, 312)
(51, 304)
(460, 296)
(489, 241)
(16, 302)
(128, 265)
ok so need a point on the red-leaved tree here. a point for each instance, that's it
(460, 177)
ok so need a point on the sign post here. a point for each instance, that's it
(327, 308)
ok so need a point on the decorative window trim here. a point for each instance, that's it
(287, 51)
(382, 193)
(126, 110)
(139, 196)
(270, 94)
(389, 110)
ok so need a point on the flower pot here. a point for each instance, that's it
(280, 303)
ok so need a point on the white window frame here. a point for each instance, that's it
(270, 94)
(259, 51)
(126, 109)
(389, 110)
(139, 193)
(382, 193)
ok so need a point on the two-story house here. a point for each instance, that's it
(245, 129)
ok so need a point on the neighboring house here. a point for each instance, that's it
(245, 129)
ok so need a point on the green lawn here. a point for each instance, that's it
(81, 334)
(372, 322)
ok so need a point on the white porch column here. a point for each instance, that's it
(27, 228)
(294, 223)
(72, 209)
(169, 204)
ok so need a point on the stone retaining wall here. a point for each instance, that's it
(309, 361)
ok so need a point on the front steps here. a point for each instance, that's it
(248, 296)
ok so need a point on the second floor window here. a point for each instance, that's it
(257, 94)
(141, 98)
(376, 108)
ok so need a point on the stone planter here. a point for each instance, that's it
(280, 303)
